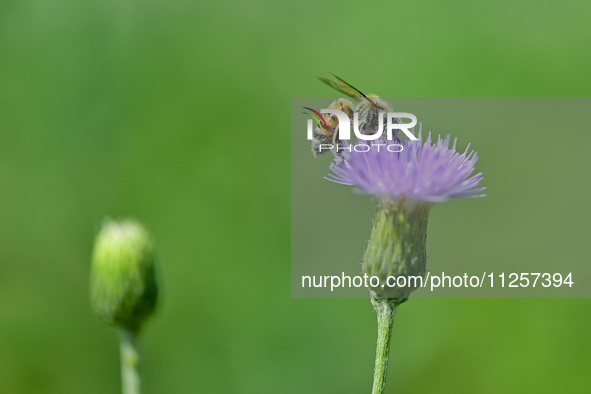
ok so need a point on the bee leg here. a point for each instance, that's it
(336, 143)
(362, 127)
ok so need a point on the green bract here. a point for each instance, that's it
(123, 283)
(397, 249)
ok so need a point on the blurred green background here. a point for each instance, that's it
(176, 113)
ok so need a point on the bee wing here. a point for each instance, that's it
(341, 87)
(345, 87)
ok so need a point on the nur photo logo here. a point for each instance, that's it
(329, 135)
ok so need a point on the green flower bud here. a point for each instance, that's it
(123, 283)
(397, 248)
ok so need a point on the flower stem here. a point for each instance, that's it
(130, 361)
(385, 309)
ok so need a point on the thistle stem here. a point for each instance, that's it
(130, 361)
(385, 309)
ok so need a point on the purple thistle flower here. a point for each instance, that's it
(420, 173)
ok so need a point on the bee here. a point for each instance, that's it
(326, 133)
(369, 108)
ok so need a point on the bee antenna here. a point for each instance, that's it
(319, 115)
